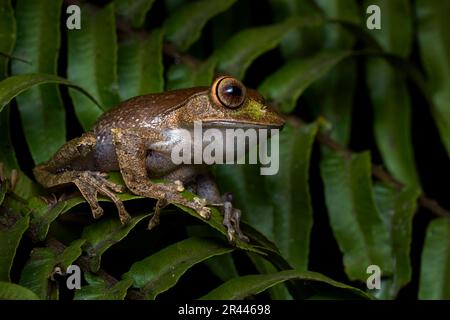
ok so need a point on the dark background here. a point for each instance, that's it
(325, 257)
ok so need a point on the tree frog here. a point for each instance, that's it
(136, 138)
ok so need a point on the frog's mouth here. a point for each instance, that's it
(241, 124)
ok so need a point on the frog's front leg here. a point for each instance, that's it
(206, 188)
(131, 147)
(60, 170)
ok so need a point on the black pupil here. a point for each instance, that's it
(234, 91)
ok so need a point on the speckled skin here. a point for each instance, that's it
(136, 138)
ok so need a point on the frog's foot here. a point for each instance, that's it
(232, 220)
(205, 186)
(162, 202)
(90, 183)
(199, 202)
(171, 193)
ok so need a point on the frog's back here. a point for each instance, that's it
(143, 111)
(139, 112)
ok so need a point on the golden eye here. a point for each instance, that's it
(228, 92)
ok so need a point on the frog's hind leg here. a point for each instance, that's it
(57, 171)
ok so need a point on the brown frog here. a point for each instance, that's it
(137, 137)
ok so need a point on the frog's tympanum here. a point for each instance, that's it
(136, 138)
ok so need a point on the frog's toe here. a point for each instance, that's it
(201, 202)
(124, 216)
(97, 211)
(231, 235)
(236, 219)
(179, 185)
(201, 208)
(205, 213)
(243, 237)
(227, 222)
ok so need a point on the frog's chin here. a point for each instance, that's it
(219, 124)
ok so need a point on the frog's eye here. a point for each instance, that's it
(228, 92)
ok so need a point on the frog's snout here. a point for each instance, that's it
(274, 118)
